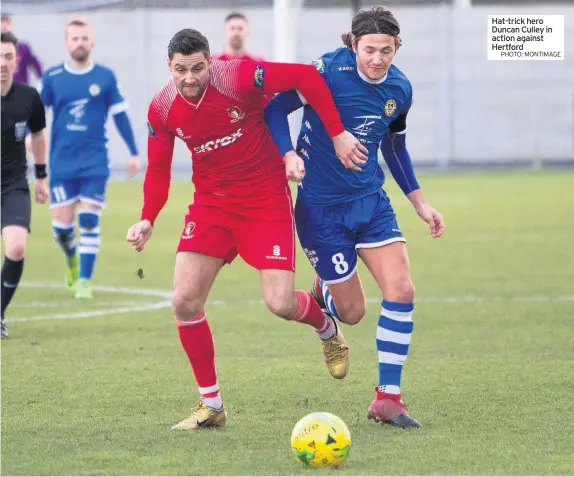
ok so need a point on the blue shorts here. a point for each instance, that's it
(85, 189)
(330, 235)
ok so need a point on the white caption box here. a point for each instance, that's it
(525, 37)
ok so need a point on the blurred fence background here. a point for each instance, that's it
(468, 112)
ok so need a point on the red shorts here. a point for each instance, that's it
(261, 230)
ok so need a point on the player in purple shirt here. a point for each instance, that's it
(26, 58)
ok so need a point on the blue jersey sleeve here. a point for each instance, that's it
(114, 98)
(394, 149)
(117, 107)
(47, 94)
(396, 155)
(276, 115)
(283, 104)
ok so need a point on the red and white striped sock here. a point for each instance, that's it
(309, 312)
(197, 341)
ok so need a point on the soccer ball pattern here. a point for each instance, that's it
(321, 439)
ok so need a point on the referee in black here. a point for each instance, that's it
(22, 110)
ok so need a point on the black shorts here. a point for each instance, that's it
(16, 206)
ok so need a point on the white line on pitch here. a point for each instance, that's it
(167, 304)
(74, 304)
(94, 314)
(105, 288)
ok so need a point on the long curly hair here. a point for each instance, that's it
(368, 22)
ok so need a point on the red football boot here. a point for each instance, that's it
(390, 409)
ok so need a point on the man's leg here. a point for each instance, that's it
(202, 251)
(284, 301)
(14, 238)
(344, 300)
(194, 276)
(89, 246)
(390, 267)
(15, 218)
(266, 241)
(63, 199)
(92, 200)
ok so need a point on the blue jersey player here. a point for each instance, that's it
(82, 95)
(342, 210)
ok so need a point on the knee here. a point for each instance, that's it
(15, 251)
(281, 304)
(88, 219)
(186, 306)
(351, 312)
(403, 291)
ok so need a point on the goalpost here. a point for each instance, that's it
(285, 13)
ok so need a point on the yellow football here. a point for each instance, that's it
(321, 439)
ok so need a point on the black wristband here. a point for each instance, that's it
(40, 171)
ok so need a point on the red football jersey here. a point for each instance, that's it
(232, 150)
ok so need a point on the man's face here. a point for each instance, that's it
(79, 42)
(237, 30)
(8, 61)
(190, 73)
(375, 54)
(6, 26)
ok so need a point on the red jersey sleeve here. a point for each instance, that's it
(160, 155)
(245, 79)
(270, 78)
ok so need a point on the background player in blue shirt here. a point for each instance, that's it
(342, 211)
(82, 95)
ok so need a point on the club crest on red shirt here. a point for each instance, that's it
(236, 114)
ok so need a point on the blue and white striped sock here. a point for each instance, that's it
(65, 235)
(393, 339)
(89, 246)
(329, 303)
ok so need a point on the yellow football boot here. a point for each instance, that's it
(336, 352)
(202, 416)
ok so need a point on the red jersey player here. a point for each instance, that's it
(237, 30)
(242, 202)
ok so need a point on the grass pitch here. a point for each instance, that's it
(93, 388)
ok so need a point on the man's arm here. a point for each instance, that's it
(124, 127)
(34, 63)
(158, 175)
(117, 107)
(269, 78)
(46, 92)
(37, 126)
(397, 157)
(394, 149)
(276, 116)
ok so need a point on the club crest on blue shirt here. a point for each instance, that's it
(258, 77)
(319, 64)
(94, 89)
(390, 107)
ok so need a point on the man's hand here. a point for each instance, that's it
(294, 166)
(139, 234)
(350, 151)
(41, 191)
(133, 166)
(431, 217)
